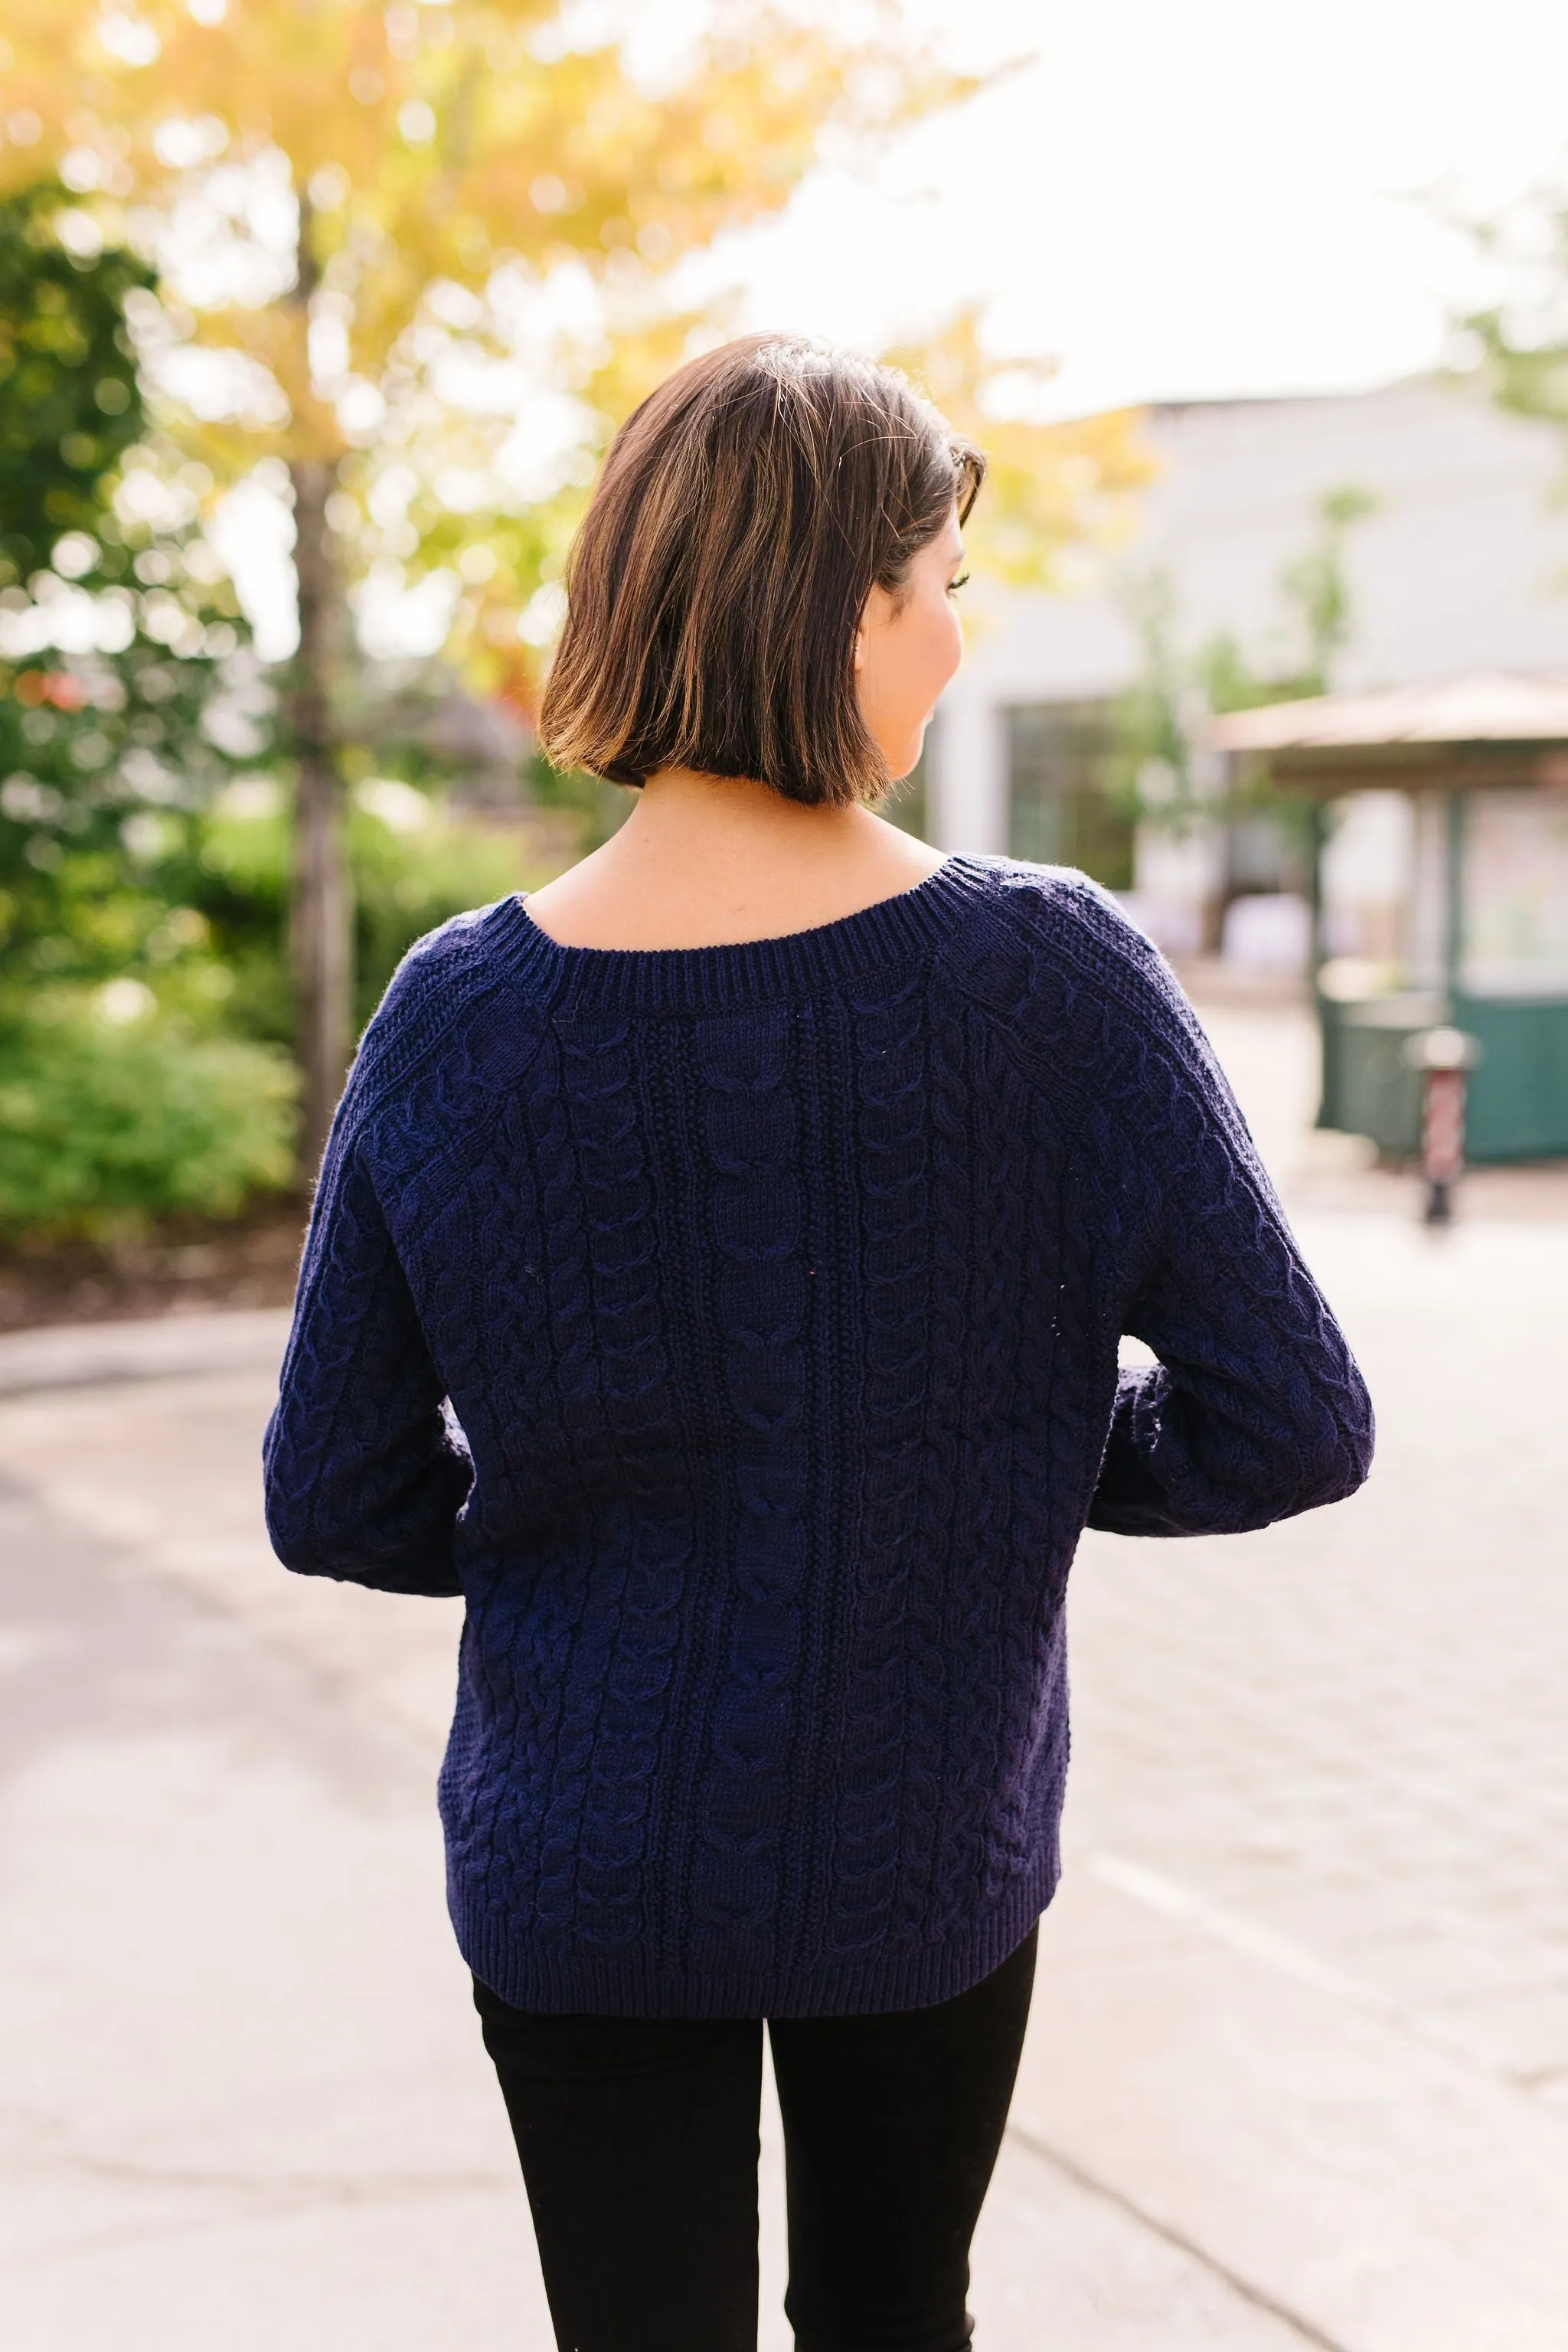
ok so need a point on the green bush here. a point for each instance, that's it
(405, 884)
(186, 1104)
(106, 1124)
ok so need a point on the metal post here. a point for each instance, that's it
(1442, 1142)
(1318, 834)
(1453, 897)
(1328, 1018)
(1445, 1058)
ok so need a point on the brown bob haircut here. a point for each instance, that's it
(743, 514)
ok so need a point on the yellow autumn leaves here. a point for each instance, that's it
(431, 149)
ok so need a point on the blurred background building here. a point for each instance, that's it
(1455, 562)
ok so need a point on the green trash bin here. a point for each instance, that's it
(1369, 1086)
(1517, 1105)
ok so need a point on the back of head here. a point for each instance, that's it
(742, 516)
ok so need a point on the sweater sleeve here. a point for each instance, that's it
(366, 1473)
(1254, 1409)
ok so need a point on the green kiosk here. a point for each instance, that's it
(1461, 788)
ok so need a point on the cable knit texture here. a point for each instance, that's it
(736, 1328)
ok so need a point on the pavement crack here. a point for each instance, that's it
(1154, 1892)
(45, 2143)
(1248, 2289)
(330, 2188)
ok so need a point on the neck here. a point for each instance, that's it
(702, 860)
(683, 817)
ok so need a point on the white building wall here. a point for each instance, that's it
(967, 794)
(1461, 566)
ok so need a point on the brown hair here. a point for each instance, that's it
(743, 514)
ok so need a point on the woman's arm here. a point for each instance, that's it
(1255, 1408)
(365, 1474)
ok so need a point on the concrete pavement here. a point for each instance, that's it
(245, 2103)
(1309, 1977)
(1298, 2066)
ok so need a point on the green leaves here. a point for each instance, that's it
(69, 402)
(1523, 340)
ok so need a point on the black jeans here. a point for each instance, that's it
(638, 2143)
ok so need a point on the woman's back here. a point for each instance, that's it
(777, 1286)
(716, 1276)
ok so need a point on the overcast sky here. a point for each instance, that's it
(1189, 197)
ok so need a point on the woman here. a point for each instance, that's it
(716, 1275)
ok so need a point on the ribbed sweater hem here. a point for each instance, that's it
(572, 1981)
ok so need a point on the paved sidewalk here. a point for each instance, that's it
(246, 2103)
(1309, 2000)
(1298, 2067)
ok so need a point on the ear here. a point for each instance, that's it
(859, 649)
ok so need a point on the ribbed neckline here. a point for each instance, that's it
(684, 980)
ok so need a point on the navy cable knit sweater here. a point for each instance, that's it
(736, 1329)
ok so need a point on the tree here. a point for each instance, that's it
(121, 676)
(1157, 768)
(357, 203)
(1523, 338)
(1317, 589)
(70, 405)
(1047, 486)
(121, 661)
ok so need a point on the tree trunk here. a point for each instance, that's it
(322, 933)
